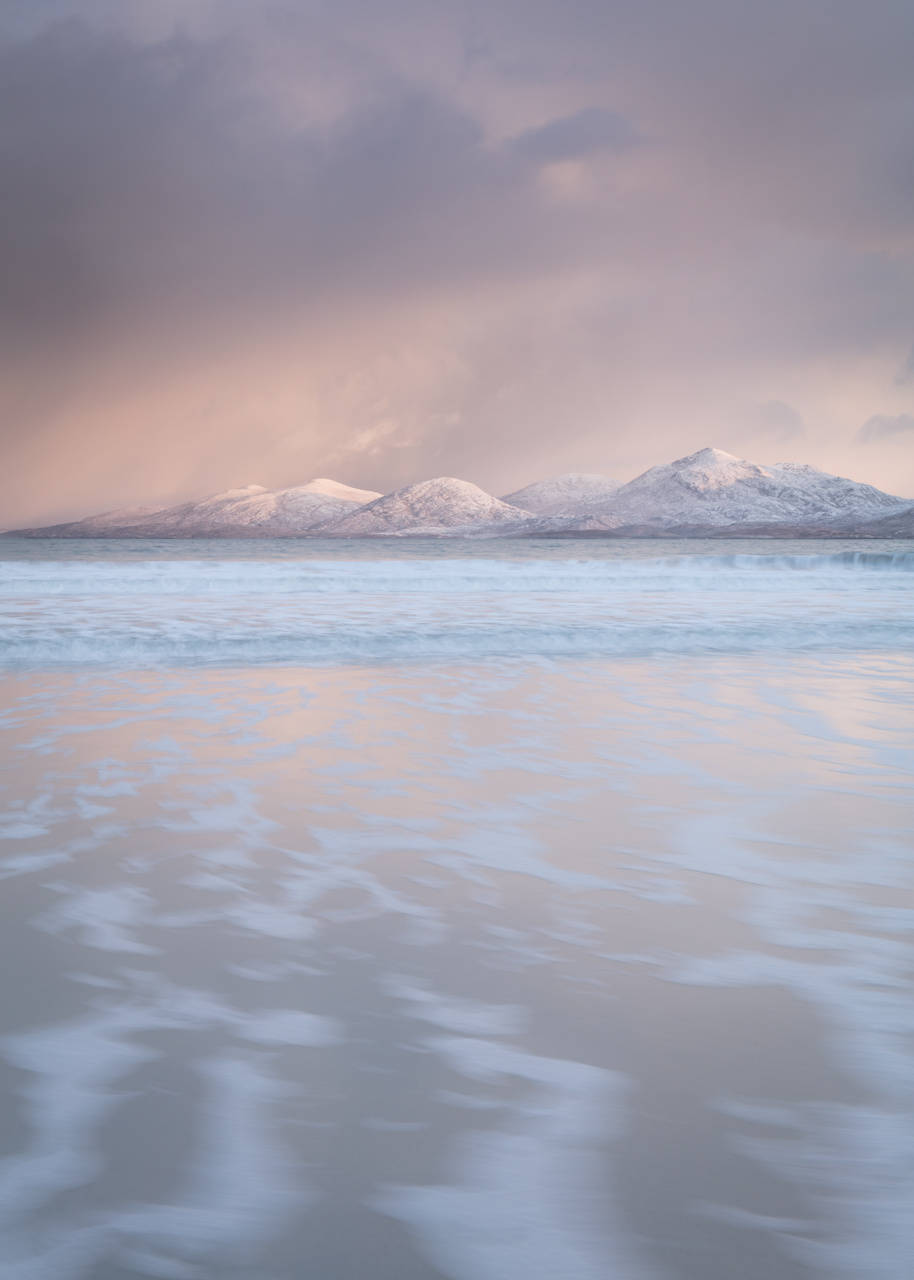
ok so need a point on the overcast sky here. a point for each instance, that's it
(254, 241)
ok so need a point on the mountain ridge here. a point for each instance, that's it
(712, 488)
(248, 511)
(703, 493)
(563, 494)
(442, 504)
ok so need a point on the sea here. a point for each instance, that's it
(416, 909)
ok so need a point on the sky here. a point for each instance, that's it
(256, 241)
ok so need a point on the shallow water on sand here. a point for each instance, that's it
(489, 970)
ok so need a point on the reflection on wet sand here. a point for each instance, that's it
(488, 972)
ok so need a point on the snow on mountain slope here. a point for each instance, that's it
(569, 494)
(709, 490)
(122, 518)
(252, 509)
(293, 510)
(336, 489)
(712, 488)
(443, 505)
(897, 524)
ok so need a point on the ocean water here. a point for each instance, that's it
(484, 911)
(161, 605)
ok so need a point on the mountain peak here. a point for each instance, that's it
(242, 491)
(708, 456)
(712, 488)
(444, 504)
(568, 493)
(441, 484)
(327, 488)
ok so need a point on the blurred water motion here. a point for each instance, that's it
(486, 968)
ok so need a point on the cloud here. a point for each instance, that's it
(584, 133)
(150, 177)
(251, 242)
(906, 373)
(777, 420)
(882, 426)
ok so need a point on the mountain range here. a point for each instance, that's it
(709, 492)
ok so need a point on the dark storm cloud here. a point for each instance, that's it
(882, 426)
(158, 183)
(136, 174)
(435, 236)
(100, 139)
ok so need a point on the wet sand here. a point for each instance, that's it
(505, 970)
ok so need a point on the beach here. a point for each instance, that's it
(572, 958)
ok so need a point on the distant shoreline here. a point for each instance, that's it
(245, 534)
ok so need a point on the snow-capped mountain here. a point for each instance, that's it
(711, 489)
(707, 492)
(569, 494)
(252, 510)
(440, 506)
(295, 510)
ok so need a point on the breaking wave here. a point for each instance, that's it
(177, 577)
